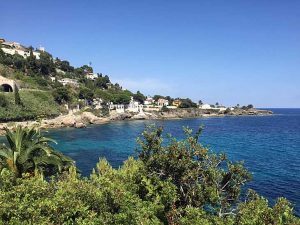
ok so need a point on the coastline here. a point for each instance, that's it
(83, 119)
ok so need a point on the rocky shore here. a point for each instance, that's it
(82, 119)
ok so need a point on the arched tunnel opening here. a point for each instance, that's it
(6, 88)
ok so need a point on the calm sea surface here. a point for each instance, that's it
(270, 146)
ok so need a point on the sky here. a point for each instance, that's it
(230, 52)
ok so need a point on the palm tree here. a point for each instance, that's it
(28, 151)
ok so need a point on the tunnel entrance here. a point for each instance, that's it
(6, 88)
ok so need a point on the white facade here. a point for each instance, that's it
(149, 101)
(162, 102)
(120, 108)
(92, 76)
(97, 103)
(13, 48)
(134, 106)
(205, 106)
(69, 81)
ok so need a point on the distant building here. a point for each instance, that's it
(134, 106)
(69, 81)
(92, 76)
(13, 48)
(162, 102)
(177, 103)
(205, 106)
(97, 103)
(120, 108)
(149, 101)
(2, 40)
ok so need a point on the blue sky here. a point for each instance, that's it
(217, 51)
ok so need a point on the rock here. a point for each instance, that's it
(80, 125)
(68, 121)
(89, 117)
(120, 116)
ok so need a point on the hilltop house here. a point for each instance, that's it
(13, 48)
(92, 76)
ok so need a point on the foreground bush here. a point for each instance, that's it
(153, 189)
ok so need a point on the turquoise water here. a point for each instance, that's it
(270, 146)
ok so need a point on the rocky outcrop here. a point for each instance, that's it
(81, 120)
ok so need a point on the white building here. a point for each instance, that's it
(97, 103)
(13, 48)
(205, 106)
(134, 106)
(162, 102)
(149, 101)
(120, 108)
(92, 76)
(69, 81)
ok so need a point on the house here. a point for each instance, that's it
(69, 81)
(134, 106)
(205, 106)
(13, 48)
(120, 108)
(149, 101)
(177, 103)
(162, 102)
(92, 76)
(97, 103)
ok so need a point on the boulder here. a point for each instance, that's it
(80, 125)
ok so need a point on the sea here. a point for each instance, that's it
(269, 146)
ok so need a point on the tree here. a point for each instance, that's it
(101, 82)
(250, 106)
(61, 95)
(86, 93)
(17, 95)
(187, 103)
(202, 178)
(3, 101)
(28, 151)
(200, 102)
(139, 97)
(156, 97)
(19, 62)
(31, 63)
(45, 63)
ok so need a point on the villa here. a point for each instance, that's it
(162, 102)
(149, 101)
(92, 76)
(134, 106)
(13, 48)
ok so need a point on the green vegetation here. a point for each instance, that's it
(181, 182)
(30, 152)
(31, 105)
